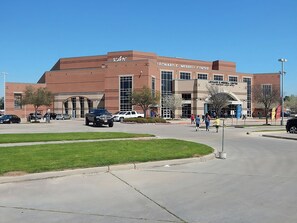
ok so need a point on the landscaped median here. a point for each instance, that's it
(50, 157)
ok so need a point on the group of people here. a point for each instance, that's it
(206, 118)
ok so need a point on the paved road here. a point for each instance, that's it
(256, 183)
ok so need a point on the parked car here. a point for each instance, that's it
(291, 126)
(9, 119)
(63, 117)
(52, 115)
(31, 117)
(99, 117)
(127, 114)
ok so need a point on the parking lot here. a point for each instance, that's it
(256, 183)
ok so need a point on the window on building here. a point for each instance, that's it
(248, 80)
(125, 93)
(202, 76)
(166, 89)
(186, 96)
(186, 110)
(17, 101)
(218, 77)
(153, 86)
(233, 78)
(185, 76)
(266, 88)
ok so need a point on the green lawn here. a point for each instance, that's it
(47, 157)
(45, 137)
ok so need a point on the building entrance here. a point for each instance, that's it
(230, 111)
(166, 113)
(186, 110)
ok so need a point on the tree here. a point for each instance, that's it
(172, 102)
(37, 97)
(267, 96)
(218, 98)
(2, 103)
(291, 102)
(144, 98)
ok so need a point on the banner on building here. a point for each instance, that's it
(273, 113)
(278, 112)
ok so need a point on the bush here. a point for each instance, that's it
(145, 120)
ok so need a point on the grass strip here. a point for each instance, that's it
(46, 137)
(41, 158)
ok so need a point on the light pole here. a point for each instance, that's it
(282, 88)
(4, 104)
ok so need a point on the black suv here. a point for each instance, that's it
(291, 126)
(99, 117)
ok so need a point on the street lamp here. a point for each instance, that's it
(4, 75)
(282, 88)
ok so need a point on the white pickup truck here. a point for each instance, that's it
(120, 116)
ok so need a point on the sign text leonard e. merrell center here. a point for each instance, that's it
(182, 66)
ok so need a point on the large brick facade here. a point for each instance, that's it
(82, 83)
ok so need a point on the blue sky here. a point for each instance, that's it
(252, 33)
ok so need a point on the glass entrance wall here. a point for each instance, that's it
(186, 110)
(248, 80)
(166, 89)
(125, 93)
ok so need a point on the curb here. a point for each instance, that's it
(104, 169)
(279, 137)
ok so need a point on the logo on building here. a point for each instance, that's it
(119, 59)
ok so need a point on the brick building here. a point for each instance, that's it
(82, 83)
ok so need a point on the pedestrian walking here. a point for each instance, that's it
(207, 121)
(192, 118)
(197, 120)
(217, 124)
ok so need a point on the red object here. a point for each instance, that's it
(278, 112)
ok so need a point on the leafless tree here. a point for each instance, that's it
(172, 102)
(266, 96)
(218, 98)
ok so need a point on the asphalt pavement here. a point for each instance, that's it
(256, 183)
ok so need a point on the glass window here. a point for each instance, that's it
(267, 88)
(185, 76)
(248, 80)
(153, 86)
(186, 96)
(202, 76)
(166, 89)
(218, 77)
(17, 101)
(186, 110)
(125, 93)
(233, 78)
